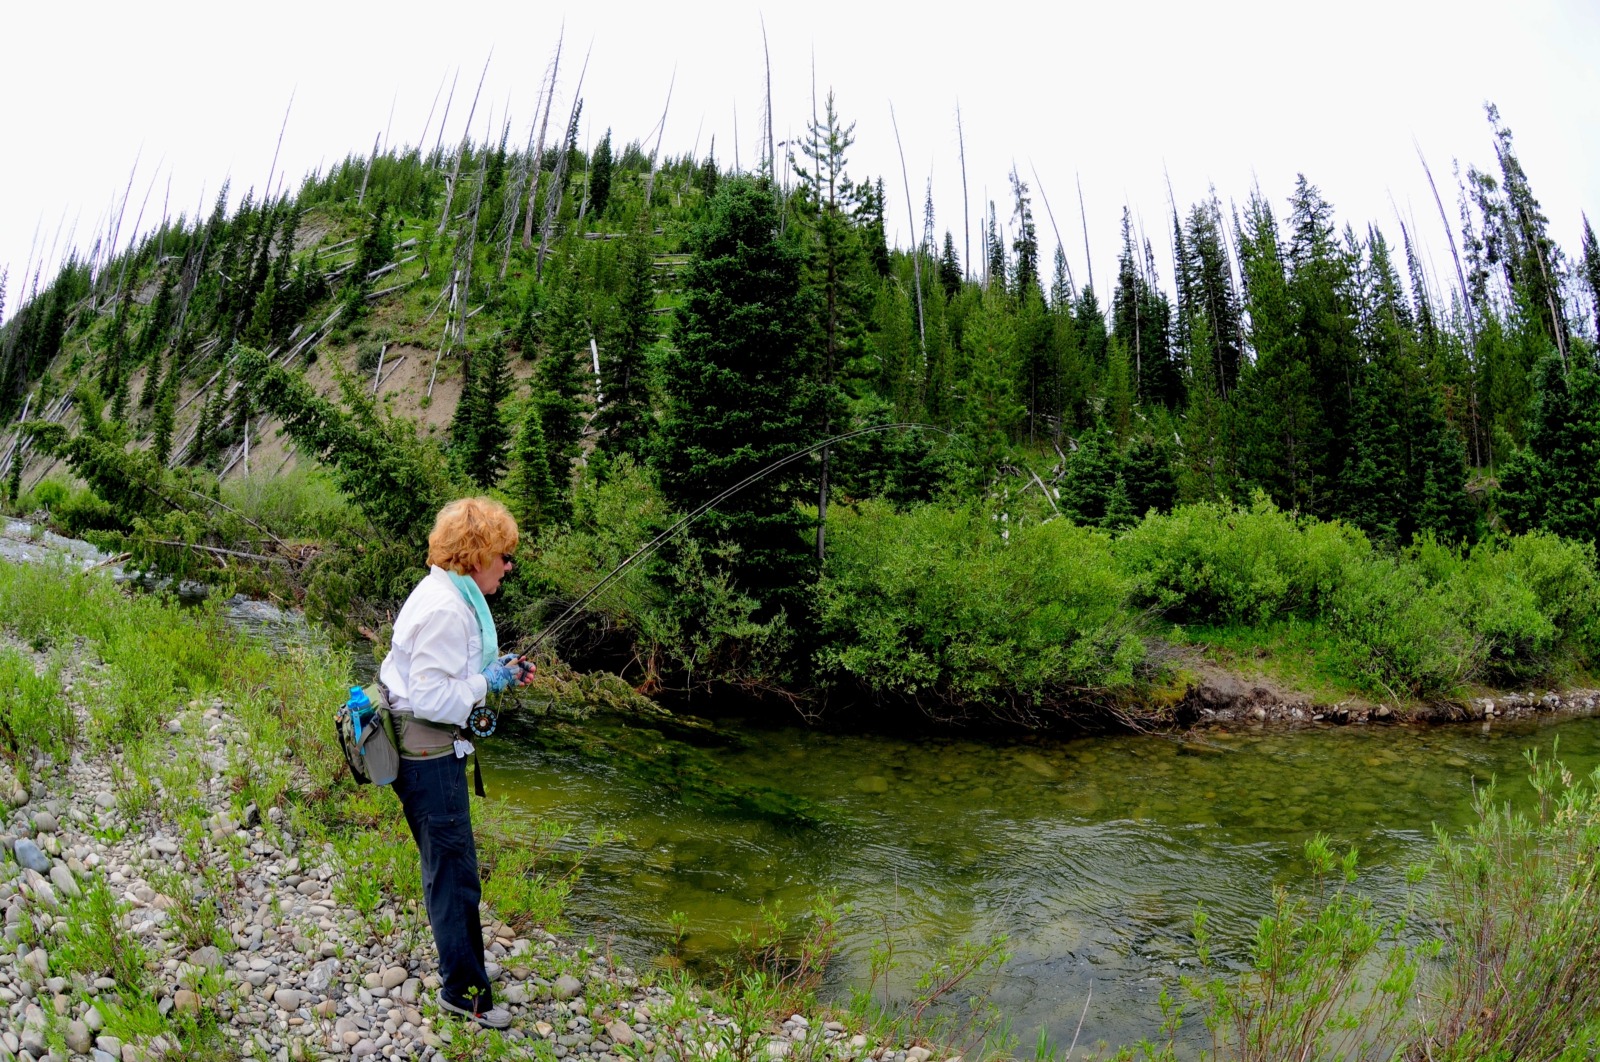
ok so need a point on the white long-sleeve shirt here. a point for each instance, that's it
(434, 660)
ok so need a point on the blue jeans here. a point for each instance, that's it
(433, 793)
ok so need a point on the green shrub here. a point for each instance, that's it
(943, 606)
(47, 495)
(83, 512)
(1216, 563)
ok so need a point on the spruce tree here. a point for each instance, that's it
(735, 391)
(1025, 269)
(1591, 271)
(600, 176)
(534, 500)
(14, 479)
(949, 267)
(1554, 482)
(1207, 452)
(561, 379)
(163, 413)
(1093, 479)
(1147, 476)
(481, 447)
(624, 417)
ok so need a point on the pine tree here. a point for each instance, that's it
(735, 390)
(600, 176)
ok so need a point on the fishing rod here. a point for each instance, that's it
(649, 547)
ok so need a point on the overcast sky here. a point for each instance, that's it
(1123, 96)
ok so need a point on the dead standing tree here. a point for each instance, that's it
(455, 322)
(466, 142)
(552, 199)
(538, 151)
(916, 256)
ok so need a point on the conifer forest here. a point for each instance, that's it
(1072, 486)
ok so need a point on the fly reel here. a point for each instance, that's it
(482, 721)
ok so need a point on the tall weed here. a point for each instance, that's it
(34, 715)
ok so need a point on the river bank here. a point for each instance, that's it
(253, 946)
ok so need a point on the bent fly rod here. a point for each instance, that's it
(650, 547)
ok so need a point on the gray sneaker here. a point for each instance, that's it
(493, 1018)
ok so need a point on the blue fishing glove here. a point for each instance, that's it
(500, 675)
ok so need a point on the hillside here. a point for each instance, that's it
(1307, 442)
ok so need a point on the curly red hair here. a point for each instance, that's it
(469, 533)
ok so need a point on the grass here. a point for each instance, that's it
(1305, 657)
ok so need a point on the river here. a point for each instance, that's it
(1089, 854)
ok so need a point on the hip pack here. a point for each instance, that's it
(365, 730)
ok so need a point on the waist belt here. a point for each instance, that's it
(419, 740)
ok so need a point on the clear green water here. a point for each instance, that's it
(1091, 854)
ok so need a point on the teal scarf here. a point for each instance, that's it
(474, 597)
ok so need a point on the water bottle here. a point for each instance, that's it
(360, 708)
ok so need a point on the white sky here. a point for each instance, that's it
(1226, 93)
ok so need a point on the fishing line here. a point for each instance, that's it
(645, 550)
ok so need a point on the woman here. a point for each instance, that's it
(444, 659)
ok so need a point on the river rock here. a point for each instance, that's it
(289, 999)
(30, 855)
(394, 977)
(65, 884)
(185, 1002)
(208, 956)
(872, 783)
(111, 1045)
(621, 1033)
(567, 987)
(321, 976)
(78, 1037)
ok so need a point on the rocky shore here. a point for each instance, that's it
(294, 973)
(1219, 699)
